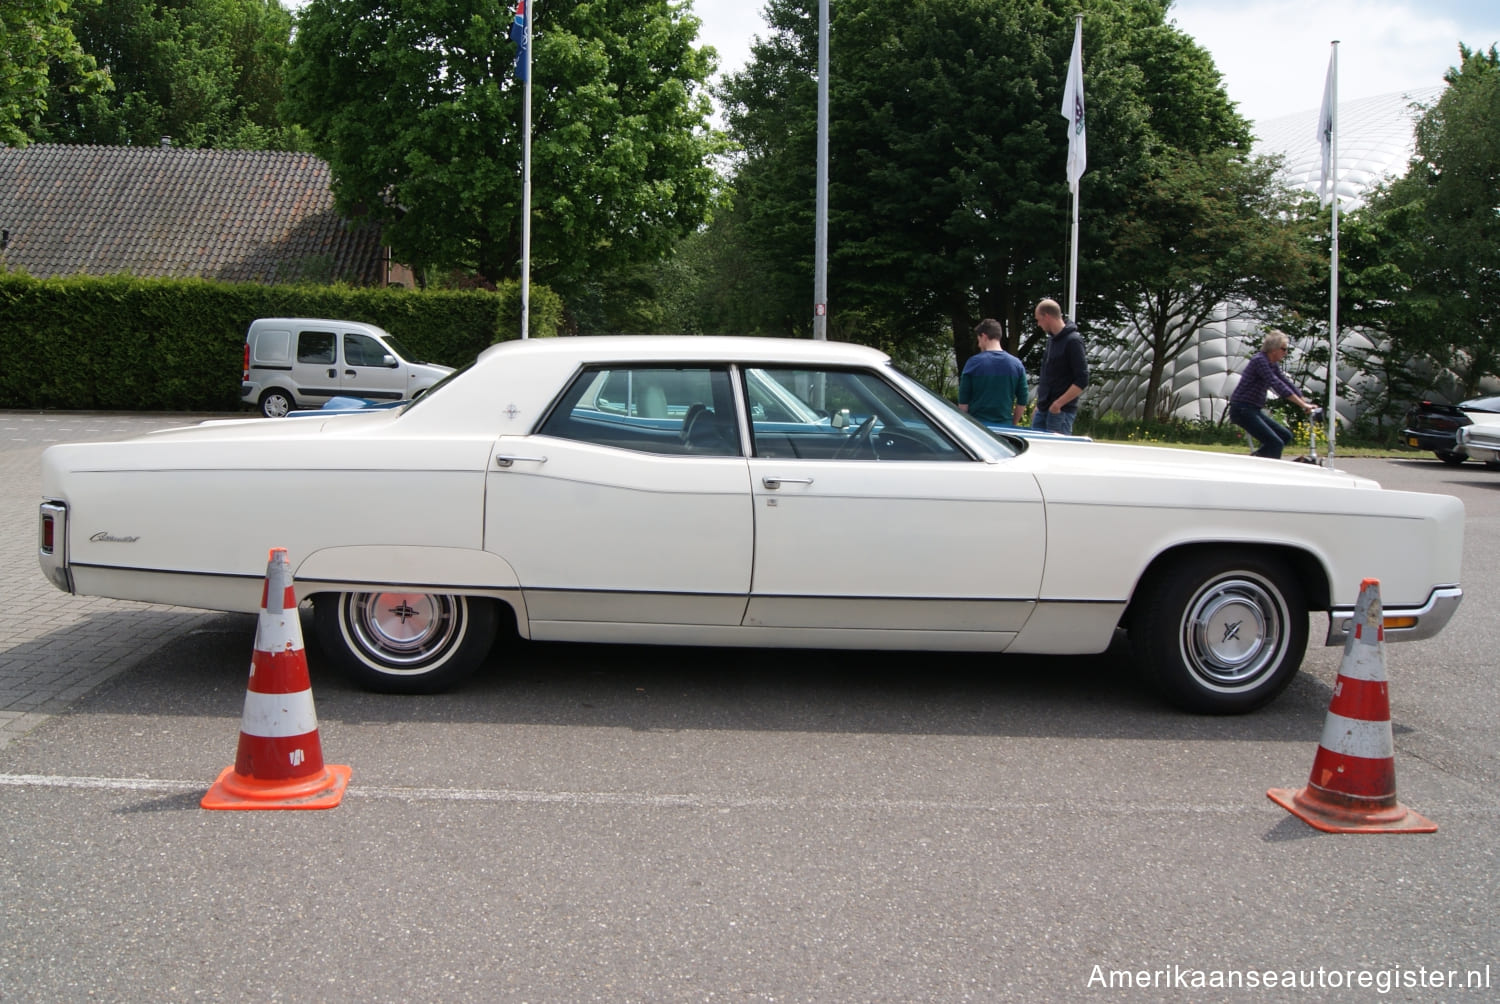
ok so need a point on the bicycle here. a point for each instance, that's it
(1314, 417)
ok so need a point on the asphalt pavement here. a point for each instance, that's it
(646, 824)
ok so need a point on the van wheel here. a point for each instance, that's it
(275, 403)
(405, 643)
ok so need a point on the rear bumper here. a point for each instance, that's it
(1402, 623)
(52, 544)
(1437, 442)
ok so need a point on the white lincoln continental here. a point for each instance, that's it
(741, 491)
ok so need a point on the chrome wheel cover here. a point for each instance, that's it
(403, 632)
(1234, 631)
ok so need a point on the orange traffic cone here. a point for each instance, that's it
(280, 760)
(1353, 784)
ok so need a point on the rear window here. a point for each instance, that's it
(271, 346)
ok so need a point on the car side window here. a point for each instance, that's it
(675, 411)
(362, 350)
(316, 347)
(839, 415)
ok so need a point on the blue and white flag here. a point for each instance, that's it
(1072, 110)
(522, 38)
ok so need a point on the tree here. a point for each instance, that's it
(38, 54)
(206, 73)
(771, 110)
(948, 197)
(1440, 229)
(417, 111)
(1205, 232)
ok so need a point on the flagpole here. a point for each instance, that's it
(1073, 262)
(526, 182)
(820, 227)
(1333, 272)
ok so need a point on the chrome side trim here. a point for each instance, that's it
(1431, 616)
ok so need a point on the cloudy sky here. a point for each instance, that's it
(1273, 54)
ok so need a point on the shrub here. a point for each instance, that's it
(125, 344)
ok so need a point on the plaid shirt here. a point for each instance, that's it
(1259, 378)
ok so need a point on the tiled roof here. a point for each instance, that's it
(235, 215)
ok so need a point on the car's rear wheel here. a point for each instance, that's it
(1220, 633)
(405, 643)
(1450, 458)
(275, 403)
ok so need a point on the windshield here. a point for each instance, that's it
(401, 350)
(436, 387)
(989, 445)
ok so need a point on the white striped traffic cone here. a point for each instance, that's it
(1353, 784)
(279, 764)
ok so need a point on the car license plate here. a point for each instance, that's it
(1411, 440)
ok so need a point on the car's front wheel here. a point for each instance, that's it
(1450, 458)
(1220, 633)
(405, 643)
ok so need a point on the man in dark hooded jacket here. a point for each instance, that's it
(1065, 371)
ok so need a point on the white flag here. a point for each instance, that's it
(1328, 185)
(1072, 110)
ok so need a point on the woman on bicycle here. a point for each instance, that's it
(1247, 403)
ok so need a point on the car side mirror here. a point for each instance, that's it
(840, 419)
(388, 361)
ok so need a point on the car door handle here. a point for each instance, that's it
(506, 460)
(775, 483)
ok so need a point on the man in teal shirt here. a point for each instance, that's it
(992, 386)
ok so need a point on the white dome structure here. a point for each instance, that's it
(1375, 142)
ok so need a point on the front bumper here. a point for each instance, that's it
(1402, 623)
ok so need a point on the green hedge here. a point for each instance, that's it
(123, 344)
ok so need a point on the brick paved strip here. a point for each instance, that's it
(56, 648)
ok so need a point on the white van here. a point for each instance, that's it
(301, 362)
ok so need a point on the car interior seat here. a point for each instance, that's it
(653, 403)
(703, 432)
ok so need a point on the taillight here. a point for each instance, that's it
(245, 376)
(49, 531)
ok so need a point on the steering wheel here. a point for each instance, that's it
(858, 440)
(891, 445)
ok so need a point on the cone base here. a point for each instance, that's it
(319, 791)
(1337, 819)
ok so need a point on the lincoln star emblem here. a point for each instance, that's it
(403, 611)
(1232, 631)
(511, 411)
